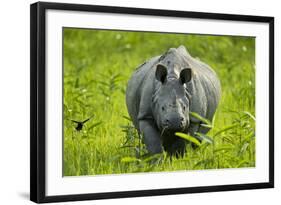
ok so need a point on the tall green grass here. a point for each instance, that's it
(97, 66)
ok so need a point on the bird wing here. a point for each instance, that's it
(75, 121)
(88, 119)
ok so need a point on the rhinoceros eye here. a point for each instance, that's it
(183, 108)
(163, 108)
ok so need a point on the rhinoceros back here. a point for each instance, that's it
(205, 88)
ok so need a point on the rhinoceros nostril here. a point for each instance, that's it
(182, 119)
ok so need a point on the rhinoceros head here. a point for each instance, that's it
(170, 103)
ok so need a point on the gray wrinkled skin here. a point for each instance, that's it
(162, 92)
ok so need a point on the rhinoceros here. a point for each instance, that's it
(161, 94)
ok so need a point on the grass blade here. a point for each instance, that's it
(225, 149)
(152, 157)
(94, 125)
(199, 117)
(250, 115)
(204, 162)
(127, 118)
(129, 159)
(205, 137)
(242, 164)
(243, 149)
(188, 138)
(206, 126)
(226, 129)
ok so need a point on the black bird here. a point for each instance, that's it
(80, 124)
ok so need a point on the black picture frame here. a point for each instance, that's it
(38, 100)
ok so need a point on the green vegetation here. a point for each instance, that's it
(97, 65)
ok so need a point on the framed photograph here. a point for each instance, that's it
(129, 102)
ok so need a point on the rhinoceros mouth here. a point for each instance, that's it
(171, 130)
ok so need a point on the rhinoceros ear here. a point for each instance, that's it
(185, 75)
(161, 73)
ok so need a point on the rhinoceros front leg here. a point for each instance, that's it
(177, 148)
(151, 136)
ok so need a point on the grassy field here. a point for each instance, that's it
(97, 66)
